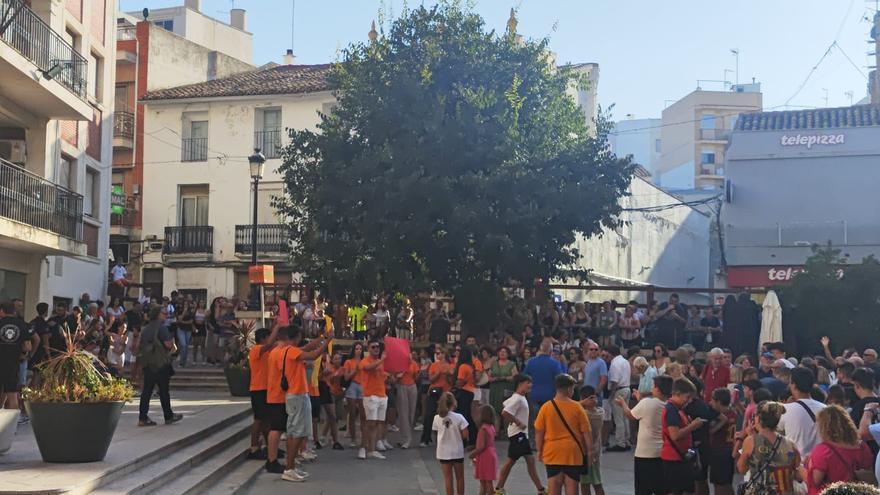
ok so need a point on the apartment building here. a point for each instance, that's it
(172, 47)
(56, 108)
(197, 188)
(695, 133)
(639, 138)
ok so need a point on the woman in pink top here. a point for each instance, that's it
(841, 452)
(484, 457)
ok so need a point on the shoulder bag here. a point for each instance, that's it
(754, 486)
(691, 456)
(857, 474)
(585, 465)
(284, 384)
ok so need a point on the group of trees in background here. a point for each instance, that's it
(454, 161)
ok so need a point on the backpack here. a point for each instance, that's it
(150, 355)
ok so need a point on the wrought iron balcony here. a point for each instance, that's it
(271, 238)
(714, 134)
(122, 210)
(26, 33)
(269, 142)
(35, 201)
(194, 150)
(123, 124)
(189, 240)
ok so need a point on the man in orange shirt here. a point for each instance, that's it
(297, 401)
(375, 399)
(275, 412)
(258, 363)
(438, 376)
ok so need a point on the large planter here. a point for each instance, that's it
(73, 432)
(239, 381)
(8, 425)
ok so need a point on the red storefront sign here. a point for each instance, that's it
(761, 276)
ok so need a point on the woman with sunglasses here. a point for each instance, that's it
(439, 376)
(661, 357)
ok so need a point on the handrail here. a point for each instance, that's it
(30, 36)
(30, 199)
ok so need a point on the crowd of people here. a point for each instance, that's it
(564, 389)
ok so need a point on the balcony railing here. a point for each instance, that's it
(126, 33)
(122, 210)
(714, 134)
(189, 240)
(36, 41)
(33, 200)
(271, 238)
(269, 142)
(123, 124)
(194, 149)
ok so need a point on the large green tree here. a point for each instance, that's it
(833, 298)
(453, 161)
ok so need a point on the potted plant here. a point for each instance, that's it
(75, 409)
(237, 369)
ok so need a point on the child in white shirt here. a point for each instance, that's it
(452, 432)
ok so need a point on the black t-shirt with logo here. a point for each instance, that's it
(13, 332)
(40, 327)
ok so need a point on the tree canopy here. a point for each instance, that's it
(454, 160)
(835, 298)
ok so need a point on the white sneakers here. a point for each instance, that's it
(419, 427)
(294, 475)
(393, 428)
(362, 453)
(383, 445)
(376, 455)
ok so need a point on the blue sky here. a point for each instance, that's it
(648, 51)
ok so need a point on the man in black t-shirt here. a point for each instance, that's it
(863, 383)
(40, 327)
(15, 344)
(671, 319)
(438, 332)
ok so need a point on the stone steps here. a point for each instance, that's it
(190, 468)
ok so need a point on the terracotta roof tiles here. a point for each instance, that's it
(275, 80)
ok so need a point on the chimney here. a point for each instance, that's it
(238, 19)
(289, 57)
(194, 5)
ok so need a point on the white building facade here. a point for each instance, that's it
(56, 114)
(198, 203)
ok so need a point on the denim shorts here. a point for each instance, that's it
(354, 391)
(299, 415)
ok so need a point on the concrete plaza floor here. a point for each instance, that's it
(416, 471)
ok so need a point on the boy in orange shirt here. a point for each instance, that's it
(275, 411)
(258, 362)
(297, 401)
(372, 379)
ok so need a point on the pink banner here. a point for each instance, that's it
(397, 355)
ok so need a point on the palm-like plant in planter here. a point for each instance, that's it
(237, 369)
(75, 409)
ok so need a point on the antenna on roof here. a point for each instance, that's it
(292, 19)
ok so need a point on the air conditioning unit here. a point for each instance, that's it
(13, 150)
(156, 246)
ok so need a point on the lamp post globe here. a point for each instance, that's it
(257, 162)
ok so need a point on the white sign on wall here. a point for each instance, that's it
(810, 140)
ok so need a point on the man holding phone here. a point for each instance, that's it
(678, 472)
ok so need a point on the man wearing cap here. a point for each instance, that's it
(777, 350)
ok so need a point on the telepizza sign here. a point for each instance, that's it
(764, 276)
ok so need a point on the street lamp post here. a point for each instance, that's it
(256, 162)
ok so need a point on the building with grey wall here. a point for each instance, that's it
(639, 138)
(796, 179)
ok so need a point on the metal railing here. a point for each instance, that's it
(123, 124)
(715, 134)
(122, 210)
(35, 40)
(33, 200)
(194, 149)
(269, 142)
(126, 33)
(189, 240)
(271, 238)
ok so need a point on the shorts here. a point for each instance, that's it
(277, 415)
(354, 391)
(451, 461)
(324, 392)
(258, 405)
(678, 476)
(375, 408)
(606, 413)
(594, 477)
(703, 451)
(571, 472)
(299, 415)
(720, 462)
(315, 404)
(9, 380)
(649, 476)
(518, 446)
(482, 396)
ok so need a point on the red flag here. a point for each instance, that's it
(397, 355)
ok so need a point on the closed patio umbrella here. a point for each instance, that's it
(771, 319)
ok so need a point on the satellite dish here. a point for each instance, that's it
(146, 13)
